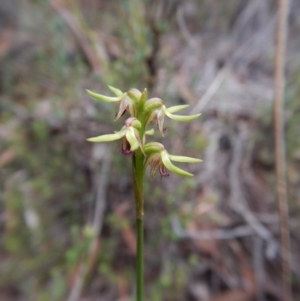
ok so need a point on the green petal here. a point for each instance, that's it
(166, 161)
(150, 132)
(116, 91)
(109, 137)
(179, 117)
(184, 159)
(177, 108)
(103, 97)
(133, 141)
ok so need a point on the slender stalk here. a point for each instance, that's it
(282, 31)
(140, 260)
(138, 180)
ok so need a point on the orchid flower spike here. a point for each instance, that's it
(129, 135)
(128, 100)
(157, 111)
(160, 160)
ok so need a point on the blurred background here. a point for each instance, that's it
(67, 210)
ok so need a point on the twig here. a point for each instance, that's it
(250, 48)
(211, 234)
(243, 18)
(85, 265)
(258, 264)
(81, 38)
(183, 28)
(101, 192)
(210, 92)
(237, 198)
(253, 46)
(282, 31)
(127, 233)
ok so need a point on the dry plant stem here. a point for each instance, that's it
(82, 38)
(138, 180)
(279, 148)
(87, 264)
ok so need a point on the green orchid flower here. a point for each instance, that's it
(160, 160)
(128, 100)
(157, 111)
(129, 135)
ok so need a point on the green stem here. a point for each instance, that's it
(140, 260)
(138, 180)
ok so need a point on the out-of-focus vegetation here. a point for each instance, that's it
(199, 243)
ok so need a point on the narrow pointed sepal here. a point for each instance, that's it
(116, 91)
(124, 105)
(132, 139)
(144, 96)
(103, 97)
(184, 159)
(109, 137)
(174, 169)
(150, 132)
(160, 117)
(175, 109)
(179, 117)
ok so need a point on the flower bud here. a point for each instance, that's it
(116, 91)
(160, 160)
(105, 98)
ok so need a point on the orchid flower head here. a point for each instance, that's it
(128, 100)
(160, 160)
(129, 135)
(157, 111)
